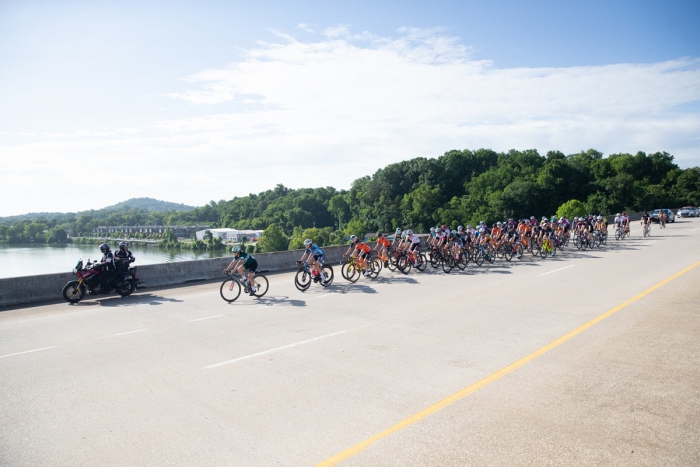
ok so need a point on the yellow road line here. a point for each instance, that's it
(359, 447)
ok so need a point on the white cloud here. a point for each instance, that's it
(342, 106)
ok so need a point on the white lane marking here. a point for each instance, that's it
(695, 229)
(28, 351)
(272, 350)
(648, 243)
(560, 269)
(123, 333)
(324, 295)
(200, 319)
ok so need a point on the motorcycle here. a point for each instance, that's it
(124, 281)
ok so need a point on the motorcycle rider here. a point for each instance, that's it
(106, 266)
(124, 256)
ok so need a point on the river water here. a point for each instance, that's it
(27, 260)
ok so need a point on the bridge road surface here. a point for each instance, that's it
(176, 376)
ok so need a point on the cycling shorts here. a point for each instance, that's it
(319, 259)
(415, 247)
(251, 267)
(364, 254)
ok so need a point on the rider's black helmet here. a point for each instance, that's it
(104, 248)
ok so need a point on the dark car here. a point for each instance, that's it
(670, 217)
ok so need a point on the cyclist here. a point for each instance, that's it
(315, 255)
(662, 219)
(625, 222)
(361, 250)
(646, 220)
(243, 261)
(382, 248)
(413, 242)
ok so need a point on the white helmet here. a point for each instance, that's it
(353, 238)
(307, 242)
(409, 232)
(398, 231)
(432, 229)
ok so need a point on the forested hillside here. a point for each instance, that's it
(459, 187)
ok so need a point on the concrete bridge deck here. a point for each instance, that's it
(176, 376)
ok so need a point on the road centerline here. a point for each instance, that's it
(459, 395)
(556, 270)
(265, 352)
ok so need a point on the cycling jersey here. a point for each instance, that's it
(248, 260)
(384, 242)
(314, 250)
(363, 247)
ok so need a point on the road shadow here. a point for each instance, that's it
(276, 300)
(131, 300)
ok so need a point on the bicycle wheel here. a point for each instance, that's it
(508, 251)
(422, 262)
(302, 280)
(435, 259)
(404, 264)
(519, 251)
(374, 268)
(534, 248)
(230, 290)
(604, 239)
(461, 263)
(448, 263)
(328, 269)
(353, 274)
(479, 257)
(344, 269)
(261, 285)
(618, 234)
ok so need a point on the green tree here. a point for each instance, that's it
(273, 239)
(572, 208)
(355, 227)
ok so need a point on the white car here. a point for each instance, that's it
(687, 211)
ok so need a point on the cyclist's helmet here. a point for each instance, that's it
(236, 249)
(403, 234)
(104, 248)
(482, 230)
(511, 220)
(600, 218)
(398, 231)
(469, 226)
(498, 224)
(554, 218)
(618, 214)
(453, 232)
(380, 235)
(444, 226)
(432, 230)
(123, 245)
(460, 228)
(307, 242)
(353, 238)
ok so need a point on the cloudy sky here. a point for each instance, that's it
(187, 103)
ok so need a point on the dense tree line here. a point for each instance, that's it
(460, 187)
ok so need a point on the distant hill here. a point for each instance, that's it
(143, 205)
(149, 204)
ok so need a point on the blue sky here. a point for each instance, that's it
(185, 93)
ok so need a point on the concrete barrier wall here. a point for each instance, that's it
(31, 289)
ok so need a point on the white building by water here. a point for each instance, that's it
(231, 235)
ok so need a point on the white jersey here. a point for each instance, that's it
(415, 239)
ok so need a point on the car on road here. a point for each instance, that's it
(688, 211)
(670, 217)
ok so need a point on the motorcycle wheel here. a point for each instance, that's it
(126, 289)
(72, 292)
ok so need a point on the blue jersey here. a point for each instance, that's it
(315, 250)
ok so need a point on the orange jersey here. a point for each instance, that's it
(496, 231)
(384, 242)
(364, 247)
